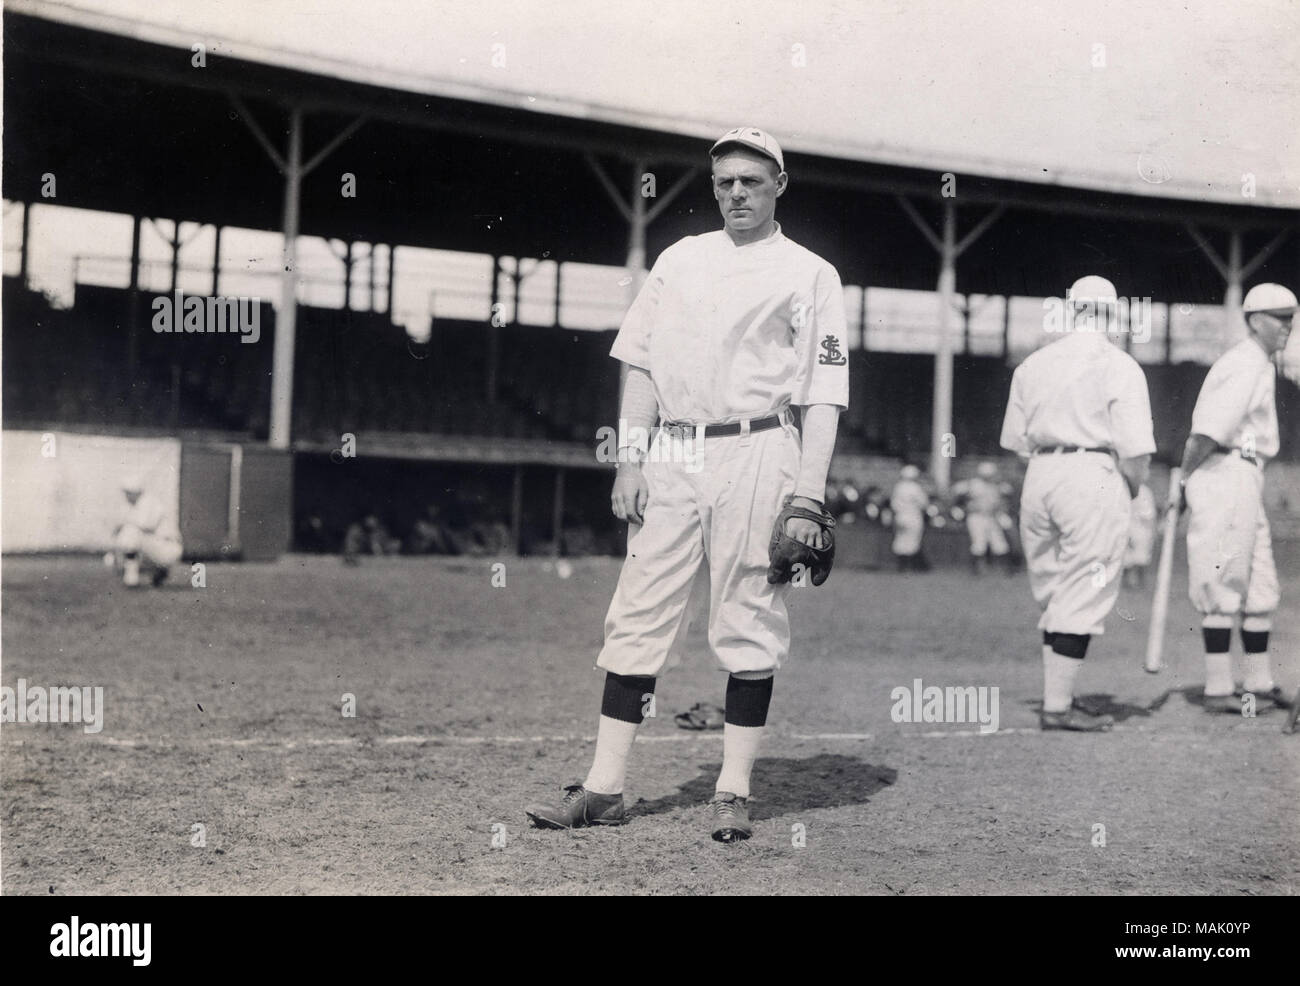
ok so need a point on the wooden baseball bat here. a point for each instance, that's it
(1160, 603)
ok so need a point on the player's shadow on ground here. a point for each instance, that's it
(828, 780)
(1104, 704)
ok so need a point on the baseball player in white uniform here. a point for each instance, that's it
(907, 503)
(1080, 411)
(146, 536)
(1229, 551)
(982, 495)
(730, 330)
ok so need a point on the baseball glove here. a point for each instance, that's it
(784, 552)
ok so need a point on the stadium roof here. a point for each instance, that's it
(1165, 98)
(113, 106)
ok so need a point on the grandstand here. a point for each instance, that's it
(511, 406)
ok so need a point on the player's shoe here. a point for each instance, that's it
(1222, 704)
(159, 577)
(1293, 717)
(577, 808)
(1274, 695)
(1075, 720)
(730, 817)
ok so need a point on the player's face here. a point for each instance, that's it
(746, 186)
(1273, 330)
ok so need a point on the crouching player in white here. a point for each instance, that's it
(1229, 551)
(1079, 409)
(146, 537)
(731, 328)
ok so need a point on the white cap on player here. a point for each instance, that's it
(754, 139)
(1269, 298)
(1092, 288)
(131, 483)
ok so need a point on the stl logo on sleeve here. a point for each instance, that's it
(832, 356)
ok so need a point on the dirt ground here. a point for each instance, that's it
(223, 709)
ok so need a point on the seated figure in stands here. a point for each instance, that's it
(432, 535)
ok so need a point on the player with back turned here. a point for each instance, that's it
(1229, 550)
(732, 329)
(1080, 412)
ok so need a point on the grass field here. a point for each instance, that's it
(223, 710)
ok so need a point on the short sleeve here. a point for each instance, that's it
(1130, 412)
(1015, 427)
(1223, 402)
(632, 344)
(821, 345)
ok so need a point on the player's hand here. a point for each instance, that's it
(631, 493)
(805, 531)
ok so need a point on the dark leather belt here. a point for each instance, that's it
(1248, 456)
(1068, 449)
(721, 431)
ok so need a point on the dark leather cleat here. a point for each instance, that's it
(579, 807)
(1274, 695)
(730, 817)
(1222, 704)
(159, 576)
(1075, 720)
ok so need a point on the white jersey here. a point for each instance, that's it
(983, 496)
(908, 498)
(148, 515)
(1236, 406)
(731, 332)
(1079, 390)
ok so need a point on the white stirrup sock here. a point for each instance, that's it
(739, 751)
(1259, 676)
(1218, 675)
(614, 740)
(1059, 673)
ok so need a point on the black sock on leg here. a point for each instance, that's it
(1218, 640)
(748, 700)
(1073, 645)
(626, 696)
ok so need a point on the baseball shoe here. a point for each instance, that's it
(730, 817)
(1075, 720)
(578, 807)
(1292, 716)
(159, 577)
(1222, 704)
(1086, 707)
(1274, 695)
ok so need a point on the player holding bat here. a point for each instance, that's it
(1229, 550)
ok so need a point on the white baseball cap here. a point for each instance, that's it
(131, 483)
(987, 470)
(754, 139)
(910, 472)
(1093, 288)
(1269, 298)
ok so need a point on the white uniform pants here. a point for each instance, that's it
(153, 549)
(715, 513)
(986, 534)
(1074, 515)
(1229, 550)
(909, 531)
